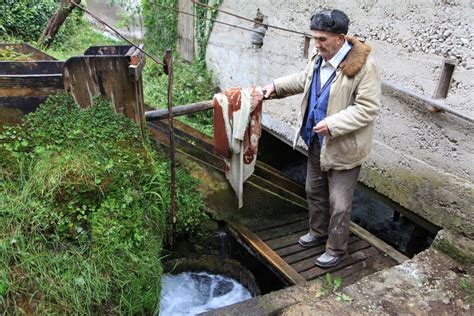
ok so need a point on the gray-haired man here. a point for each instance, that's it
(341, 99)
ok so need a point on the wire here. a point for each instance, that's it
(191, 14)
(208, 7)
(116, 32)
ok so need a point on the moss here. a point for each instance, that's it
(439, 198)
(454, 252)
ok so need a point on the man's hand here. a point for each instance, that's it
(269, 90)
(322, 128)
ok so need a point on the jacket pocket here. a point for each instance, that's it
(342, 148)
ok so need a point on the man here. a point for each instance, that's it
(341, 99)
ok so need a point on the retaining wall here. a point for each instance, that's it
(420, 159)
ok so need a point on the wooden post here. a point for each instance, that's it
(445, 78)
(169, 71)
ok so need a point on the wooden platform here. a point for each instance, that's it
(277, 246)
(274, 239)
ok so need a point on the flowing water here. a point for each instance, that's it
(191, 293)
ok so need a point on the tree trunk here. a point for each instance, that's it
(54, 24)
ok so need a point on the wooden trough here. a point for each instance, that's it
(112, 71)
(26, 84)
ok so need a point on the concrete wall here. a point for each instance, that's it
(422, 160)
(186, 31)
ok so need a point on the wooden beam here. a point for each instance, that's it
(430, 103)
(377, 243)
(179, 110)
(267, 253)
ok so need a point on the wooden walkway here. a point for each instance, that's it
(275, 240)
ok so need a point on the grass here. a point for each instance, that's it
(78, 42)
(192, 83)
(83, 211)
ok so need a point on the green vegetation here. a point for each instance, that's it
(84, 201)
(192, 81)
(26, 19)
(83, 205)
(204, 21)
(9, 54)
(82, 212)
(161, 24)
(23, 21)
(331, 286)
(466, 285)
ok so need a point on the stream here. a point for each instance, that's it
(191, 293)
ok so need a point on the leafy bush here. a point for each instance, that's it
(83, 204)
(26, 19)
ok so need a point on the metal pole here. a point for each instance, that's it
(168, 58)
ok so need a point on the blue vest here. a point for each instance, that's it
(317, 104)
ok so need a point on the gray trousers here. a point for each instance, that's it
(329, 196)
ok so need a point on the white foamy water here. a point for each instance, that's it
(191, 293)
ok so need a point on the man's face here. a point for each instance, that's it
(327, 43)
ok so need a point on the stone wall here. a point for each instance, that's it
(420, 159)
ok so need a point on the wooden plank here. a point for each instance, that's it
(89, 76)
(428, 102)
(107, 50)
(267, 253)
(285, 230)
(294, 219)
(309, 262)
(372, 264)
(178, 110)
(377, 243)
(30, 85)
(296, 247)
(286, 241)
(312, 252)
(30, 67)
(445, 79)
(351, 259)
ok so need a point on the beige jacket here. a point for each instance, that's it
(354, 103)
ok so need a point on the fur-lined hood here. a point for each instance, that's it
(356, 58)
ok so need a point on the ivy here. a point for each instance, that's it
(161, 24)
(26, 19)
(205, 18)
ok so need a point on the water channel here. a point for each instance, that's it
(191, 293)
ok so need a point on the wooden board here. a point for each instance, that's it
(89, 76)
(269, 255)
(30, 67)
